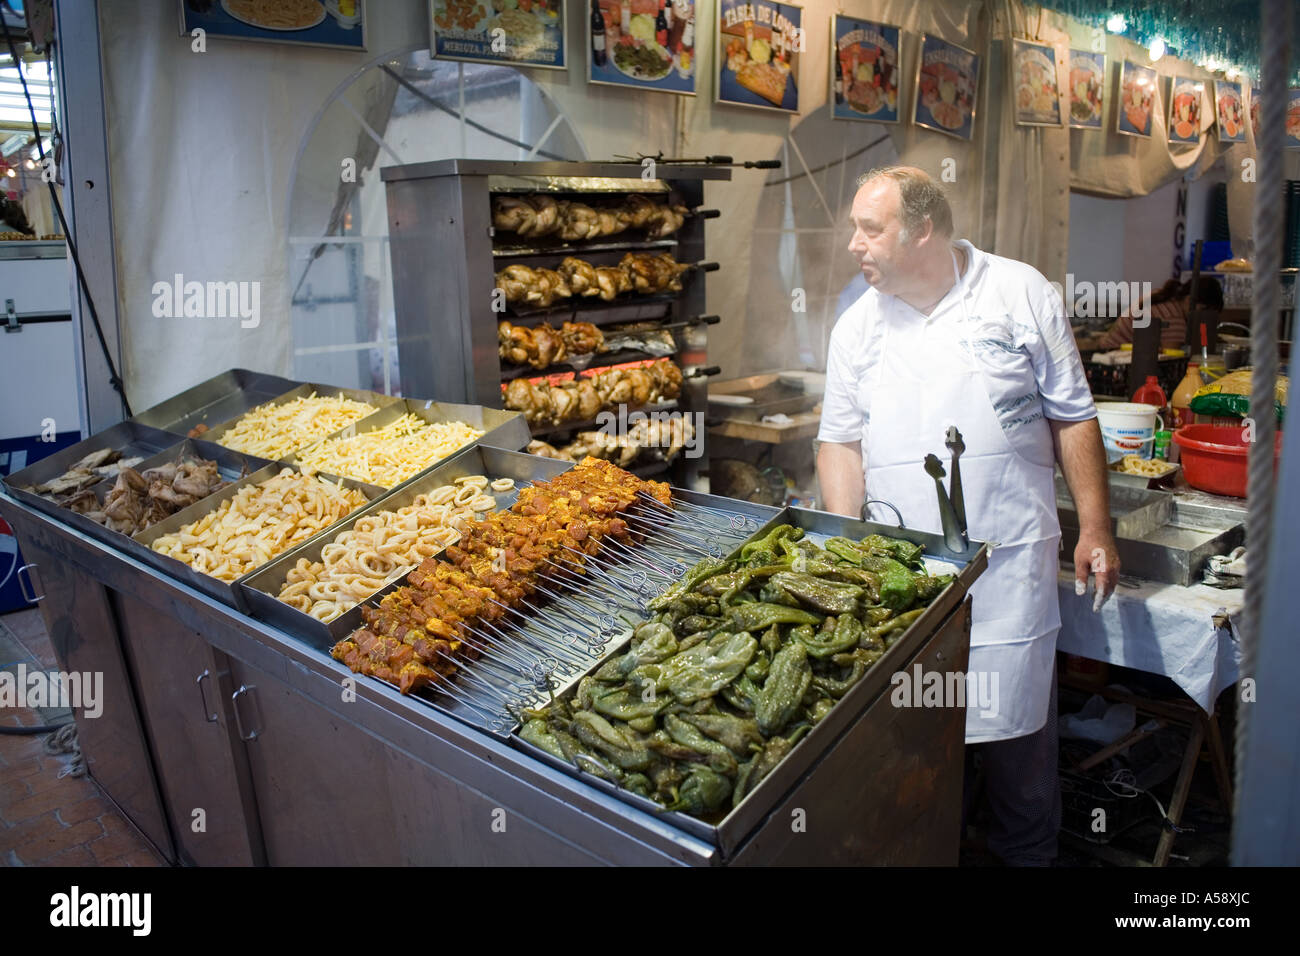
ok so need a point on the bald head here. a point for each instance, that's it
(917, 196)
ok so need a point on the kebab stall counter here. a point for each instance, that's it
(501, 658)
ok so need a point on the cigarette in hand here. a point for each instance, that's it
(1080, 588)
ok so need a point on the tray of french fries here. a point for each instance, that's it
(293, 420)
(316, 590)
(408, 437)
(213, 543)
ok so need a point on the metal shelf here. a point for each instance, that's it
(602, 360)
(568, 248)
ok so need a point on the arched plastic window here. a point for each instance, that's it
(403, 107)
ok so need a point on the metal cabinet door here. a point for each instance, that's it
(83, 630)
(183, 689)
(330, 793)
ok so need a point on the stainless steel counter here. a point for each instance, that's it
(228, 741)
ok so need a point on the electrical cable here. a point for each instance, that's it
(33, 729)
(114, 379)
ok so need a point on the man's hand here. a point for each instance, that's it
(1083, 462)
(1096, 553)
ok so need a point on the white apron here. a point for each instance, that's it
(929, 378)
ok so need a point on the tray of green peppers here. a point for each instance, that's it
(742, 659)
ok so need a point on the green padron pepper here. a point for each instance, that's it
(929, 587)
(817, 713)
(757, 616)
(845, 633)
(695, 623)
(758, 667)
(771, 640)
(690, 677)
(539, 735)
(716, 755)
(642, 725)
(627, 704)
(786, 684)
(844, 549)
(902, 622)
(722, 583)
(637, 783)
(773, 752)
(597, 732)
(767, 546)
(735, 733)
(704, 791)
(699, 572)
(838, 688)
(905, 552)
(742, 695)
(828, 597)
(878, 615)
(897, 584)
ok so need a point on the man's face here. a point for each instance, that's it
(877, 241)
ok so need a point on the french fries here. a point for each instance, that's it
(274, 431)
(388, 456)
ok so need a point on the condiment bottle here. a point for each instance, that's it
(1182, 400)
(1151, 393)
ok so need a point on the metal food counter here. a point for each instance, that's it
(213, 718)
(233, 740)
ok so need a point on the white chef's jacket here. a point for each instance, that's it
(1004, 327)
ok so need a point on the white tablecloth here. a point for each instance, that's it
(1158, 628)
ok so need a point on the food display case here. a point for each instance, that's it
(453, 242)
(296, 759)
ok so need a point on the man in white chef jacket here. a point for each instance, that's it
(951, 335)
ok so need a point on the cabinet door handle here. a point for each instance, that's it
(33, 598)
(239, 722)
(209, 715)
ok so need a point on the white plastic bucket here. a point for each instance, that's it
(1127, 428)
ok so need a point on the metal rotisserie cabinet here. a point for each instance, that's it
(446, 254)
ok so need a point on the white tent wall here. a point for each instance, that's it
(203, 147)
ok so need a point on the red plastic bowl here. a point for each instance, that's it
(1214, 457)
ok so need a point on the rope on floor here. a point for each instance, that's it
(64, 741)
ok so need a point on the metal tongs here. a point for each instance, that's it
(952, 503)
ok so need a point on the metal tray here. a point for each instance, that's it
(501, 429)
(378, 401)
(128, 437)
(730, 832)
(231, 465)
(227, 592)
(545, 652)
(217, 400)
(261, 586)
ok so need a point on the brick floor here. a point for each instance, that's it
(46, 820)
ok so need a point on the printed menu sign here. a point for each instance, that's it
(517, 32)
(946, 83)
(864, 70)
(760, 44)
(647, 44)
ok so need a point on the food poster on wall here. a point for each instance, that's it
(517, 32)
(947, 80)
(333, 23)
(647, 44)
(1087, 88)
(1137, 96)
(759, 47)
(865, 70)
(1185, 96)
(1229, 112)
(1034, 83)
(1292, 140)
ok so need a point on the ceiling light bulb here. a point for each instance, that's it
(1157, 48)
(31, 164)
(10, 172)
(1117, 23)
